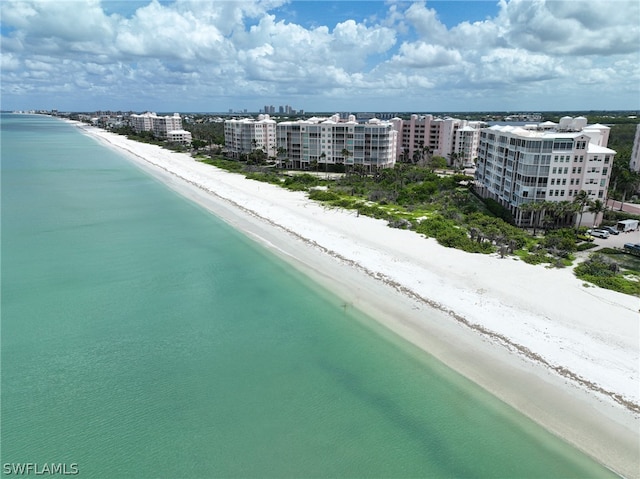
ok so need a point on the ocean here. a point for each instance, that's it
(144, 337)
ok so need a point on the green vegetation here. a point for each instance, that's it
(607, 273)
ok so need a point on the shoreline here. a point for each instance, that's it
(568, 359)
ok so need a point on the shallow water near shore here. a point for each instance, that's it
(144, 337)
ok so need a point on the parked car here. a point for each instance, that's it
(632, 248)
(599, 233)
(611, 230)
(585, 237)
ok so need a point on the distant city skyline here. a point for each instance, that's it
(204, 56)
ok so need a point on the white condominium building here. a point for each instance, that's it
(440, 136)
(159, 125)
(182, 137)
(326, 141)
(544, 162)
(246, 135)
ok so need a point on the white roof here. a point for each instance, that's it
(593, 148)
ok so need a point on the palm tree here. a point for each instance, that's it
(454, 159)
(596, 207)
(345, 154)
(323, 159)
(533, 207)
(405, 155)
(281, 152)
(581, 200)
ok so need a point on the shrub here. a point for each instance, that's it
(597, 265)
(538, 257)
(585, 246)
(323, 195)
(615, 283)
(344, 203)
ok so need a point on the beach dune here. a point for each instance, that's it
(562, 353)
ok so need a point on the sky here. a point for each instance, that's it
(324, 56)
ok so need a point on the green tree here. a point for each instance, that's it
(596, 207)
(582, 201)
(345, 155)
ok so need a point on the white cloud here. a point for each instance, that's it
(583, 27)
(422, 55)
(215, 51)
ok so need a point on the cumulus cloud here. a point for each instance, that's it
(423, 55)
(215, 51)
(581, 27)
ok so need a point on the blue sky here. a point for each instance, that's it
(198, 55)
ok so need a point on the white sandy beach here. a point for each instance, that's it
(566, 355)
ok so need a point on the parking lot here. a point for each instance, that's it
(618, 241)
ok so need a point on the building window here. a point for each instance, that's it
(554, 171)
(600, 194)
(553, 181)
(564, 181)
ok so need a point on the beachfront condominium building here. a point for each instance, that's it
(454, 139)
(324, 141)
(181, 137)
(545, 162)
(242, 136)
(159, 125)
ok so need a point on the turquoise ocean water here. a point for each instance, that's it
(143, 337)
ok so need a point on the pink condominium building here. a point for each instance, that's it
(244, 135)
(454, 139)
(544, 162)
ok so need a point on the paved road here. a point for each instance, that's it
(628, 207)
